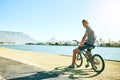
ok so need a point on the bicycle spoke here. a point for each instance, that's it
(98, 63)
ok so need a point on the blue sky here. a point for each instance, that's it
(44, 19)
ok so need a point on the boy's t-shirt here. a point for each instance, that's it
(91, 36)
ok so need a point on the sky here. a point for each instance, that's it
(44, 19)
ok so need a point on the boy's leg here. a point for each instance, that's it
(75, 51)
(88, 53)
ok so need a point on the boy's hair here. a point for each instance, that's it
(84, 20)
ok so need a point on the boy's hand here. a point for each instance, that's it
(82, 43)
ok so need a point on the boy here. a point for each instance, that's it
(85, 44)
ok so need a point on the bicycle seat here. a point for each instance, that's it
(92, 47)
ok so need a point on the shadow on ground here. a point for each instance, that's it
(76, 73)
(38, 76)
(59, 71)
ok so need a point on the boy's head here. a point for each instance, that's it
(85, 23)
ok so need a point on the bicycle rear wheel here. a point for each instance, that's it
(79, 60)
(98, 63)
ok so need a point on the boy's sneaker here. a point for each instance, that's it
(71, 66)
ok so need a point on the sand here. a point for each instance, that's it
(58, 63)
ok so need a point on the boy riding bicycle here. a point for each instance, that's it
(85, 44)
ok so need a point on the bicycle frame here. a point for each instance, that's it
(83, 52)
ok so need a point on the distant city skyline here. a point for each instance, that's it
(44, 19)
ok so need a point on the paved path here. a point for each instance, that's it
(13, 70)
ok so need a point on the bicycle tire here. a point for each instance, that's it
(93, 63)
(79, 60)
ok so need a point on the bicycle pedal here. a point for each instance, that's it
(87, 65)
(87, 60)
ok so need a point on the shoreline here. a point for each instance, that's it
(51, 62)
(60, 53)
(56, 53)
(111, 60)
(27, 56)
(51, 53)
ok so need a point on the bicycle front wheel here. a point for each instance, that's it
(98, 63)
(79, 60)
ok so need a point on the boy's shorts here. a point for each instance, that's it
(85, 46)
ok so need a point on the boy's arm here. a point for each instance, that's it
(84, 38)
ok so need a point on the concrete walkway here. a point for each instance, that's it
(13, 70)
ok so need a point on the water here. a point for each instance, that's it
(105, 52)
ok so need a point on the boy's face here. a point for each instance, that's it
(85, 24)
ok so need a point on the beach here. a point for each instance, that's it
(24, 64)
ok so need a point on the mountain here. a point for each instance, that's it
(52, 40)
(16, 37)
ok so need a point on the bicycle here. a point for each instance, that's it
(96, 60)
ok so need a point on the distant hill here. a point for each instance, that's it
(16, 37)
(52, 40)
